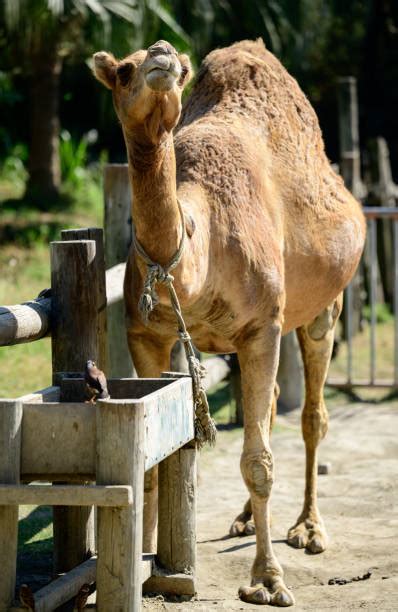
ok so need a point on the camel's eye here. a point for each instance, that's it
(124, 73)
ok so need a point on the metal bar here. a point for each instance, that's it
(380, 212)
(377, 384)
(348, 329)
(373, 296)
(395, 304)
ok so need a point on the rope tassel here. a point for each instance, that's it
(205, 428)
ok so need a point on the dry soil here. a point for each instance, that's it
(358, 502)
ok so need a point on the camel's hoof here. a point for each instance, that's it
(310, 535)
(250, 528)
(259, 594)
(242, 525)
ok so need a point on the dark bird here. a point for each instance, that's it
(26, 597)
(81, 597)
(96, 385)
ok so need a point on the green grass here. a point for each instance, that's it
(35, 533)
(25, 235)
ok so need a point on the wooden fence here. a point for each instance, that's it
(53, 436)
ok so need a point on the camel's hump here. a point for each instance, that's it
(246, 79)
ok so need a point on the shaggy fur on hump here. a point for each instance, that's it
(244, 88)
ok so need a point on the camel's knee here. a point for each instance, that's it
(325, 321)
(257, 470)
(315, 422)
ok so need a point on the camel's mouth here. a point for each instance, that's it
(160, 78)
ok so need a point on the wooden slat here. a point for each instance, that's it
(169, 421)
(120, 459)
(67, 495)
(170, 584)
(10, 448)
(24, 322)
(58, 439)
(177, 512)
(66, 587)
(73, 389)
(49, 394)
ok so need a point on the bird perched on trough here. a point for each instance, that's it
(96, 384)
(26, 597)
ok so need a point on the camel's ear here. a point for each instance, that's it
(105, 68)
(186, 72)
(124, 72)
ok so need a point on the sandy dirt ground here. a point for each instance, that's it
(358, 501)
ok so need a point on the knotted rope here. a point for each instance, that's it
(205, 429)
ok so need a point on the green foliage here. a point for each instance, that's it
(13, 170)
(383, 313)
(74, 156)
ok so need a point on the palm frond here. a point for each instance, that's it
(129, 10)
(156, 7)
(12, 10)
(56, 7)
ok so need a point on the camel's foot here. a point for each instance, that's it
(242, 525)
(269, 590)
(308, 534)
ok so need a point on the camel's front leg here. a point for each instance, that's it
(258, 362)
(150, 358)
(244, 523)
(316, 343)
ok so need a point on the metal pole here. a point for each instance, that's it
(395, 259)
(373, 297)
(348, 327)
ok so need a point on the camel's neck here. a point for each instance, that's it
(155, 211)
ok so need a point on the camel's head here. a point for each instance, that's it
(146, 87)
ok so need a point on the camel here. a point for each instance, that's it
(272, 238)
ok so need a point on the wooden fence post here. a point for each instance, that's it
(78, 334)
(350, 169)
(350, 157)
(120, 460)
(10, 453)
(117, 200)
(177, 516)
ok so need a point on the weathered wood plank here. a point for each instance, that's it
(25, 322)
(30, 321)
(69, 427)
(49, 394)
(10, 448)
(170, 584)
(68, 430)
(65, 587)
(120, 460)
(79, 333)
(177, 512)
(118, 235)
(68, 495)
(169, 420)
(114, 292)
(73, 389)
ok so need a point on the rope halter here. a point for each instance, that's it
(205, 429)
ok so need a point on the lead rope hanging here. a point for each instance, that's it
(205, 428)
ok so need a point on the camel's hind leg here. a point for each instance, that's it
(316, 343)
(243, 524)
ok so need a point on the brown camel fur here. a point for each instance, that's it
(273, 239)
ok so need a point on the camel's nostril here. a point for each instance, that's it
(161, 47)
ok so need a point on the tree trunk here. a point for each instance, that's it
(44, 161)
